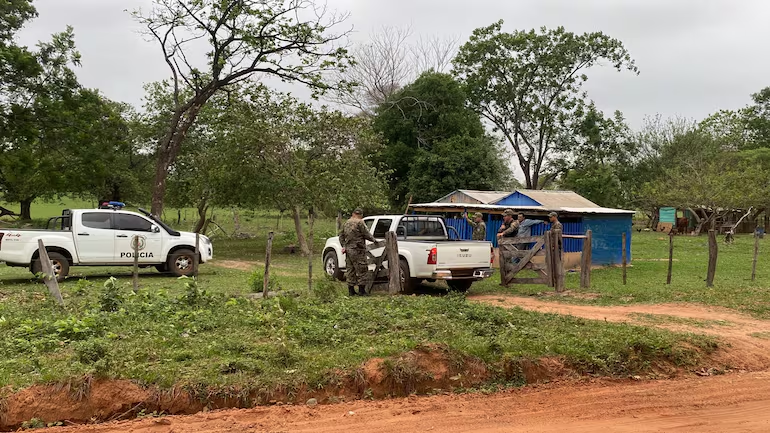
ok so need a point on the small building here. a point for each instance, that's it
(576, 213)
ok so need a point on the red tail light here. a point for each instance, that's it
(492, 255)
(433, 256)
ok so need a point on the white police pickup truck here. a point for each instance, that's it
(104, 237)
(425, 250)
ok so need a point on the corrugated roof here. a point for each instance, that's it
(554, 199)
(499, 209)
(486, 197)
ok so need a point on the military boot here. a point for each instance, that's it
(362, 291)
(351, 290)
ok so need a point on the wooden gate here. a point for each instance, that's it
(390, 256)
(551, 271)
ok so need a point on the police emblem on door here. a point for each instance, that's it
(138, 243)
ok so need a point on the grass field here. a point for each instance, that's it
(212, 334)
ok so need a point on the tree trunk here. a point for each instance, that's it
(300, 233)
(310, 220)
(168, 149)
(236, 220)
(203, 209)
(26, 209)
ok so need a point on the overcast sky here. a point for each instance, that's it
(695, 56)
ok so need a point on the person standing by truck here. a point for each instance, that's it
(479, 226)
(353, 237)
(505, 238)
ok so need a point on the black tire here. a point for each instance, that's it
(61, 266)
(181, 262)
(459, 285)
(332, 266)
(163, 269)
(408, 284)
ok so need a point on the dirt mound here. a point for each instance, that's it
(735, 402)
(426, 369)
(743, 347)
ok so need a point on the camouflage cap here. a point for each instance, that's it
(358, 211)
(508, 212)
(478, 215)
(553, 214)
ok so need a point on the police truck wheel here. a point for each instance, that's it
(408, 284)
(61, 266)
(181, 263)
(331, 266)
(459, 285)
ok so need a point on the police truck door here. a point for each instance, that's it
(133, 228)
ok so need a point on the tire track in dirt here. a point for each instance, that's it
(740, 349)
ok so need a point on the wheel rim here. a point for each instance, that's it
(56, 267)
(402, 276)
(183, 263)
(330, 268)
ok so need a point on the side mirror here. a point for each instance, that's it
(155, 229)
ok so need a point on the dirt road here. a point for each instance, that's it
(736, 402)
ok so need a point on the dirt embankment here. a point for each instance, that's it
(733, 402)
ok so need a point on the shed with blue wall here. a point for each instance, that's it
(576, 213)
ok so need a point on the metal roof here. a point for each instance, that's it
(553, 199)
(499, 209)
(486, 197)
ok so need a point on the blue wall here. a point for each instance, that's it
(517, 199)
(607, 232)
(493, 225)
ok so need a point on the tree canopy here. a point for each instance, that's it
(435, 144)
(528, 84)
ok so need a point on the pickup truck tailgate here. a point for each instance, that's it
(463, 255)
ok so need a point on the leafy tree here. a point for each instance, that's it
(289, 40)
(758, 119)
(529, 85)
(435, 144)
(597, 160)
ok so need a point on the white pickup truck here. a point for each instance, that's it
(104, 237)
(425, 250)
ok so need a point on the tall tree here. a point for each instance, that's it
(597, 160)
(389, 60)
(435, 144)
(286, 39)
(528, 84)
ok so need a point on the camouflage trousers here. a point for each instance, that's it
(356, 268)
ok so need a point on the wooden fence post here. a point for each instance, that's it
(49, 275)
(625, 257)
(550, 276)
(266, 280)
(557, 260)
(135, 244)
(670, 256)
(394, 268)
(756, 255)
(197, 254)
(713, 252)
(311, 220)
(585, 261)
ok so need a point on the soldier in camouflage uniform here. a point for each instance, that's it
(505, 241)
(353, 237)
(555, 224)
(479, 226)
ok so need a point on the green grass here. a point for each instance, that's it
(213, 335)
(676, 320)
(646, 282)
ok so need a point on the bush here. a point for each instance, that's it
(326, 290)
(111, 298)
(257, 281)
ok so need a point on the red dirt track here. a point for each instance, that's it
(735, 402)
